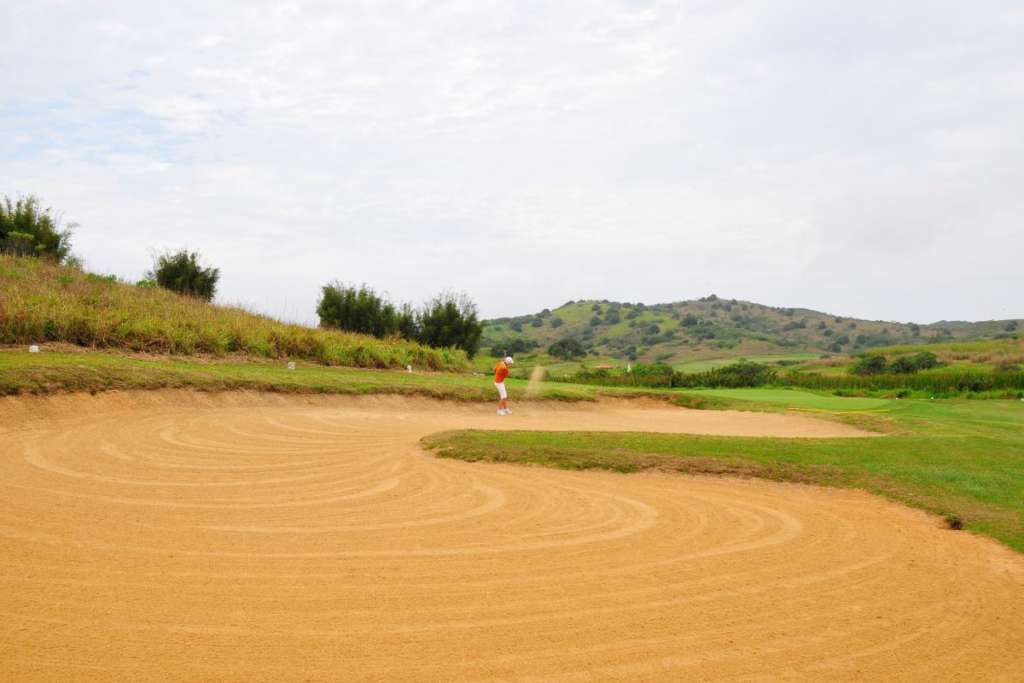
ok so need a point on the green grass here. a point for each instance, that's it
(950, 457)
(88, 371)
(712, 363)
(795, 398)
(43, 302)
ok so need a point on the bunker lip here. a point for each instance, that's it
(264, 537)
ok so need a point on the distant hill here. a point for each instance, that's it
(715, 327)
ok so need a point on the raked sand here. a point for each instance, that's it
(179, 536)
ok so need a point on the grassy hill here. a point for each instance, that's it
(42, 302)
(700, 333)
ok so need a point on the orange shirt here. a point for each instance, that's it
(500, 371)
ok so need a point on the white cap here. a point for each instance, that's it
(508, 359)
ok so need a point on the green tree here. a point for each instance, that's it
(362, 310)
(567, 349)
(451, 320)
(27, 229)
(182, 272)
(871, 364)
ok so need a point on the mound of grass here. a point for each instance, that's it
(44, 302)
(961, 459)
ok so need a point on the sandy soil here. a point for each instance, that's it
(181, 536)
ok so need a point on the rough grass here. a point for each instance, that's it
(958, 458)
(91, 371)
(43, 302)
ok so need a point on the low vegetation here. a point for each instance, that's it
(41, 301)
(919, 373)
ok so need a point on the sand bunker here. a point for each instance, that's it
(176, 536)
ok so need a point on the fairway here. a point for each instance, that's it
(794, 398)
(712, 363)
(147, 536)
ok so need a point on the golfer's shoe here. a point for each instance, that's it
(501, 412)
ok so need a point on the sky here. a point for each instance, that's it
(861, 158)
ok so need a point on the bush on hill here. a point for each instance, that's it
(447, 320)
(877, 364)
(450, 320)
(27, 229)
(567, 349)
(181, 272)
(742, 373)
(362, 310)
(510, 347)
(870, 364)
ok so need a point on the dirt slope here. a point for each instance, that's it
(161, 536)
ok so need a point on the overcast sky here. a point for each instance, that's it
(862, 158)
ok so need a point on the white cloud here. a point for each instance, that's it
(829, 154)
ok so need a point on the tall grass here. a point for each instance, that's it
(44, 302)
(939, 381)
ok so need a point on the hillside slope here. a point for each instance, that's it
(714, 327)
(41, 302)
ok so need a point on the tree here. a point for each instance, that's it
(182, 272)
(567, 349)
(26, 229)
(364, 311)
(451, 320)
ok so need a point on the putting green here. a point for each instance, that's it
(797, 399)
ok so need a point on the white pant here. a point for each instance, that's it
(502, 394)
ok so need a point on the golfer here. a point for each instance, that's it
(500, 373)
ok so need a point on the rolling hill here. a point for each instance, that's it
(688, 332)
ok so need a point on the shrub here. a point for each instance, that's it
(450, 320)
(181, 272)
(924, 360)
(742, 373)
(509, 347)
(362, 310)
(871, 364)
(26, 229)
(555, 321)
(567, 349)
